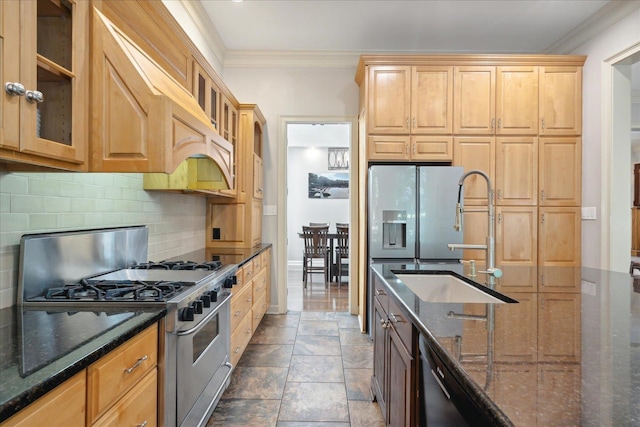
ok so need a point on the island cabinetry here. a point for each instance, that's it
(66, 404)
(395, 373)
(44, 68)
(237, 221)
(120, 381)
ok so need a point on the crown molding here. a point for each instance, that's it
(203, 24)
(608, 15)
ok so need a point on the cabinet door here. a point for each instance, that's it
(560, 101)
(390, 147)
(559, 326)
(433, 148)
(475, 153)
(401, 385)
(207, 94)
(389, 99)
(258, 177)
(517, 101)
(474, 100)
(378, 380)
(475, 227)
(10, 20)
(516, 236)
(432, 100)
(517, 170)
(53, 61)
(559, 234)
(65, 404)
(560, 173)
(256, 222)
(139, 407)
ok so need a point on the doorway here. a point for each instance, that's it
(314, 148)
(617, 150)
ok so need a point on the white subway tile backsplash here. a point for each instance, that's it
(13, 183)
(43, 187)
(57, 204)
(45, 202)
(43, 221)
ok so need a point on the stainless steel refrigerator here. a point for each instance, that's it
(412, 212)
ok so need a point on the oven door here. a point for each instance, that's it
(203, 367)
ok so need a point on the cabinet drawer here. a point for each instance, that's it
(240, 281)
(240, 338)
(259, 309)
(257, 264)
(70, 395)
(240, 306)
(248, 271)
(136, 408)
(113, 375)
(259, 285)
(380, 293)
(401, 323)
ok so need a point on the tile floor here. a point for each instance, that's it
(302, 369)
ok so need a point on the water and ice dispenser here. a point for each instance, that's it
(394, 229)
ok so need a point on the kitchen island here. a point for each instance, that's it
(554, 358)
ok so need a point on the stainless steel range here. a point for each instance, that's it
(109, 268)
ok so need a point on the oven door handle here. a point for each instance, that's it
(204, 321)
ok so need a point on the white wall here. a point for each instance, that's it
(47, 202)
(301, 209)
(613, 40)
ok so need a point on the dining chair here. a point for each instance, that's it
(342, 249)
(315, 248)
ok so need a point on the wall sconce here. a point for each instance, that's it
(338, 158)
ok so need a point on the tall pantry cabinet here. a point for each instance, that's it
(516, 117)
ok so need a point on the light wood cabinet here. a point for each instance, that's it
(237, 221)
(520, 221)
(517, 100)
(560, 172)
(559, 237)
(66, 404)
(137, 408)
(45, 62)
(389, 100)
(432, 100)
(113, 376)
(516, 171)
(249, 301)
(474, 100)
(560, 101)
(207, 93)
(475, 152)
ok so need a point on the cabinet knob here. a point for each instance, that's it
(34, 96)
(14, 89)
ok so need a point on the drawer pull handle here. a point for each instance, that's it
(237, 349)
(143, 424)
(395, 318)
(444, 390)
(237, 313)
(249, 331)
(138, 363)
(380, 292)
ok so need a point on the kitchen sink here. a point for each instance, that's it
(449, 288)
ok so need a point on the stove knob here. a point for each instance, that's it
(186, 314)
(214, 296)
(206, 300)
(228, 282)
(197, 306)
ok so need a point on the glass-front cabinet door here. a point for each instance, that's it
(50, 91)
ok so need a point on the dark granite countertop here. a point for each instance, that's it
(237, 256)
(41, 348)
(568, 353)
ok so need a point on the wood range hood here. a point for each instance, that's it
(142, 119)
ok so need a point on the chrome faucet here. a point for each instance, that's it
(490, 246)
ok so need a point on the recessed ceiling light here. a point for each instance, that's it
(237, 1)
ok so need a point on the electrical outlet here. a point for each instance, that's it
(589, 212)
(588, 287)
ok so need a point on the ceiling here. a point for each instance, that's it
(515, 26)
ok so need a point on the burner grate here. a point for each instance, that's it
(178, 265)
(120, 290)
